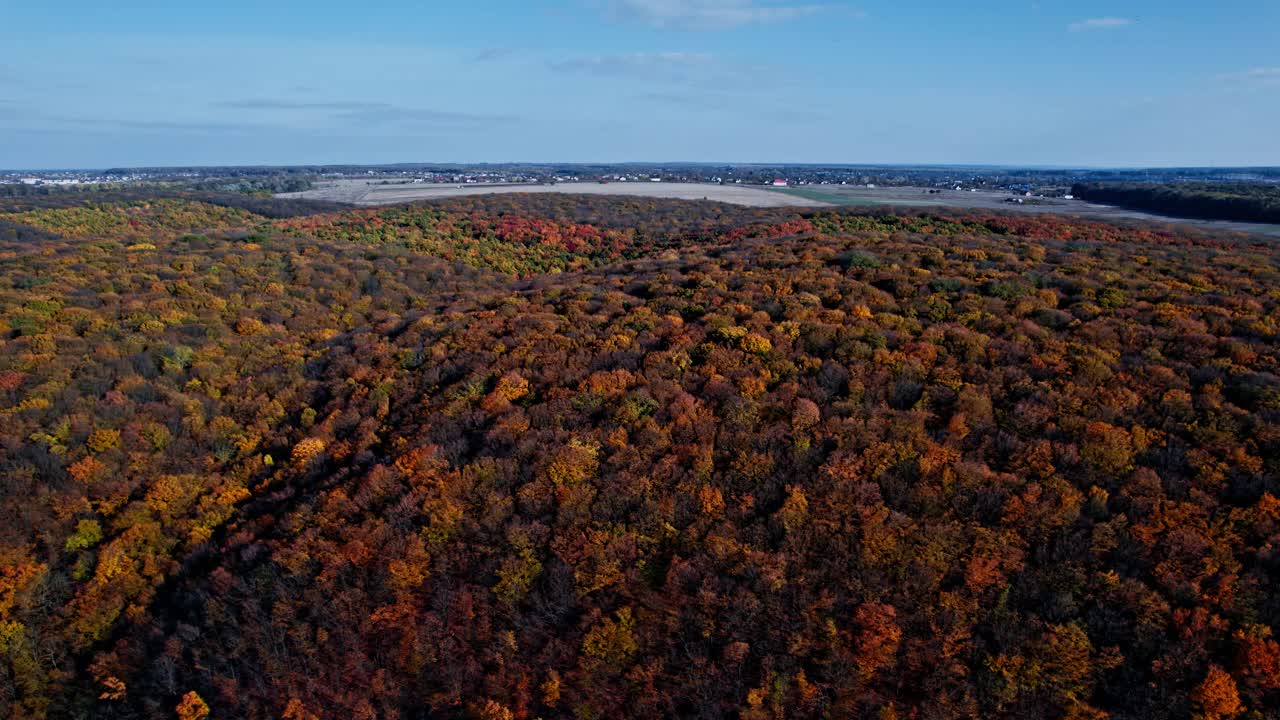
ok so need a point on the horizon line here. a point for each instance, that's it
(643, 163)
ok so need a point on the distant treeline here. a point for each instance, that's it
(255, 185)
(267, 206)
(258, 204)
(38, 191)
(1242, 203)
(230, 184)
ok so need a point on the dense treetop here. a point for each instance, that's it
(509, 458)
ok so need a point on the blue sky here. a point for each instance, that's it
(130, 83)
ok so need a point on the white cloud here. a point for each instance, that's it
(705, 14)
(1103, 23)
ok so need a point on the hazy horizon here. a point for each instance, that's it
(649, 164)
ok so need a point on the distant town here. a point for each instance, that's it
(1018, 182)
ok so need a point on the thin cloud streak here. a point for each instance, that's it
(705, 14)
(1254, 76)
(649, 65)
(491, 54)
(336, 117)
(680, 74)
(705, 72)
(730, 105)
(275, 104)
(357, 112)
(1103, 23)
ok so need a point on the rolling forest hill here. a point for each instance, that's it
(490, 460)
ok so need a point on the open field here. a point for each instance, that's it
(850, 195)
(363, 192)
(367, 192)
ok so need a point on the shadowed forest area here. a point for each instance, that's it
(1258, 203)
(514, 457)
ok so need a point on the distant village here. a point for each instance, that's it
(1023, 185)
(61, 179)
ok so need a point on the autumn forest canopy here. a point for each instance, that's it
(517, 457)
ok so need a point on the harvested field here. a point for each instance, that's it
(363, 192)
(860, 196)
(370, 192)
